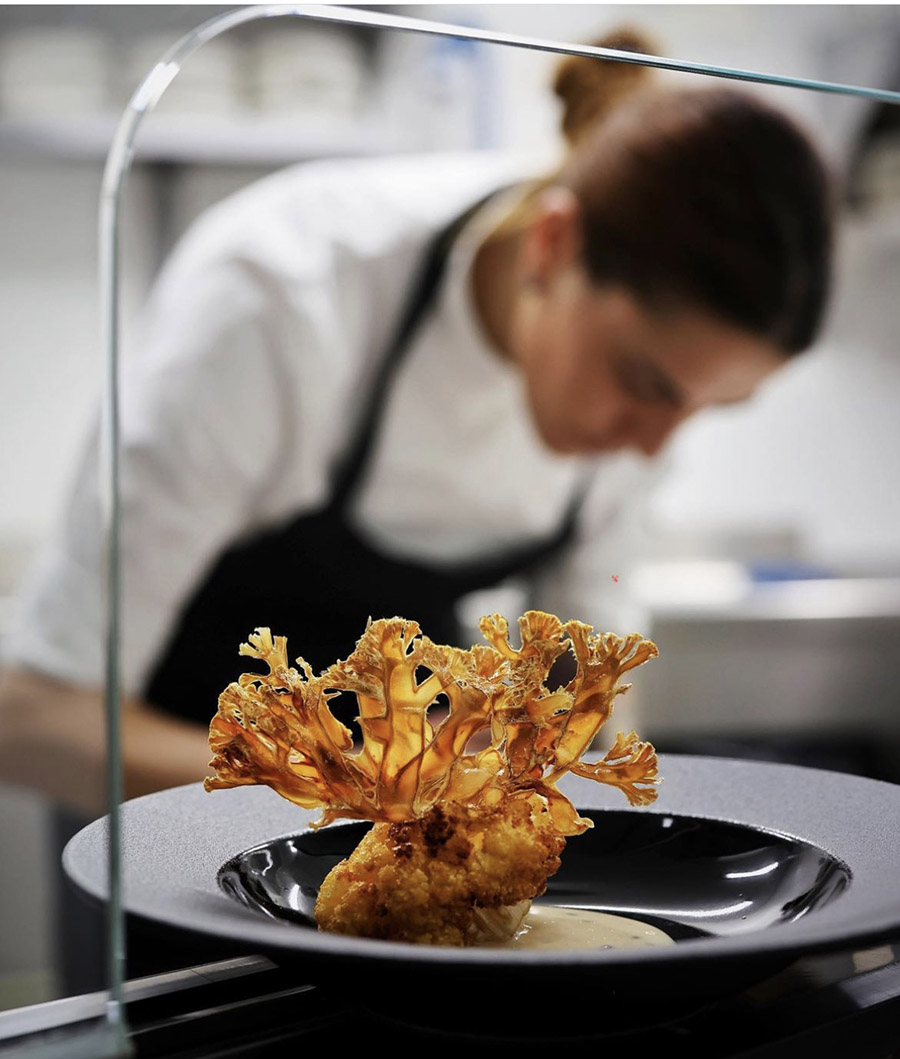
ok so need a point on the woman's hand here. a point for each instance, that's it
(53, 738)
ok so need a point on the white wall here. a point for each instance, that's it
(50, 361)
(51, 366)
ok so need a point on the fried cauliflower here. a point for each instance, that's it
(450, 878)
(463, 839)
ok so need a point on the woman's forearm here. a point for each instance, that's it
(53, 738)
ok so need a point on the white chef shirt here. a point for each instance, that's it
(246, 379)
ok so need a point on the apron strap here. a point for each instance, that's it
(421, 298)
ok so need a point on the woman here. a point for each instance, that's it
(371, 388)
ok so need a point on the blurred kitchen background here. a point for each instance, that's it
(771, 574)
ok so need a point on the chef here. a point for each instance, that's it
(375, 387)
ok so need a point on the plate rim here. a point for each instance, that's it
(869, 856)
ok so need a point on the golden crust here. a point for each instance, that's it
(428, 880)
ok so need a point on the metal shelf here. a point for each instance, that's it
(188, 140)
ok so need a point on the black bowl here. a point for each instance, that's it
(692, 877)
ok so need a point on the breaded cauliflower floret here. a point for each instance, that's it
(450, 878)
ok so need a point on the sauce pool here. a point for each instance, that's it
(550, 927)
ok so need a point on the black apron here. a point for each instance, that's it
(316, 580)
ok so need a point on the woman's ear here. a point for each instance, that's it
(552, 242)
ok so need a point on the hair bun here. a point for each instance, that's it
(590, 88)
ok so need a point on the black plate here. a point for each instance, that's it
(693, 878)
(749, 864)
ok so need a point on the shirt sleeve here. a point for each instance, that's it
(204, 411)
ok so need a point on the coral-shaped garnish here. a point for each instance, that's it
(277, 728)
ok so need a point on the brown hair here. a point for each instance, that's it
(706, 197)
(590, 88)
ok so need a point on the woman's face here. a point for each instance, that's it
(604, 372)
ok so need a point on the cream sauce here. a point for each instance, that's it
(549, 927)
